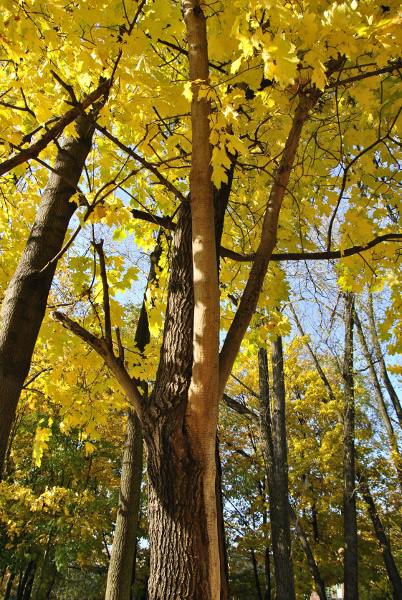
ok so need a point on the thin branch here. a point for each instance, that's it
(389, 69)
(150, 166)
(115, 365)
(323, 255)
(105, 286)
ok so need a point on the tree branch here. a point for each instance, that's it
(105, 286)
(324, 255)
(249, 300)
(151, 167)
(55, 131)
(115, 365)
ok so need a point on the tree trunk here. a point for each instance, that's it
(392, 570)
(256, 576)
(9, 586)
(122, 564)
(349, 491)
(177, 531)
(274, 436)
(383, 368)
(314, 570)
(395, 453)
(25, 299)
(221, 528)
(119, 577)
(267, 570)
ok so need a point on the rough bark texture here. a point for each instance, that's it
(349, 474)
(25, 299)
(383, 368)
(274, 435)
(179, 560)
(392, 570)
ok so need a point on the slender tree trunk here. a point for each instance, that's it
(25, 299)
(256, 575)
(267, 570)
(395, 452)
(383, 368)
(392, 570)
(314, 570)
(122, 564)
(349, 491)
(221, 529)
(9, 586)
(119, 576)
(274, 436)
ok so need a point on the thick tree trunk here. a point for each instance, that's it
(392, 570)
(274, 436)
(349, 475)
(119, 577)
(383, 368)
(177, 527)
(25, 299)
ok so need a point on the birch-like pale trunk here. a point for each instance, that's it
(203, 400)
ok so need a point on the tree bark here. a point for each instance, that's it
(119, 577)
(25, 299)
(256, 575)
(274, 436)
(267, 570)
(349, 491)
(221, 528)
(203, 397)
(392, 570)
(383, 368)
(122, 563)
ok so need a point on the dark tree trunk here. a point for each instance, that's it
(267, 570)
(349, 475)
(177, 530)
(256, 575)
(221, 528)
(383, 368)
(24, 580)
(9, 586)
(25, 299)
(314, 570)
(120, 578)
(274, 436)
(390, 565)
(120, 570)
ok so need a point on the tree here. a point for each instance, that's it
(264, 114)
